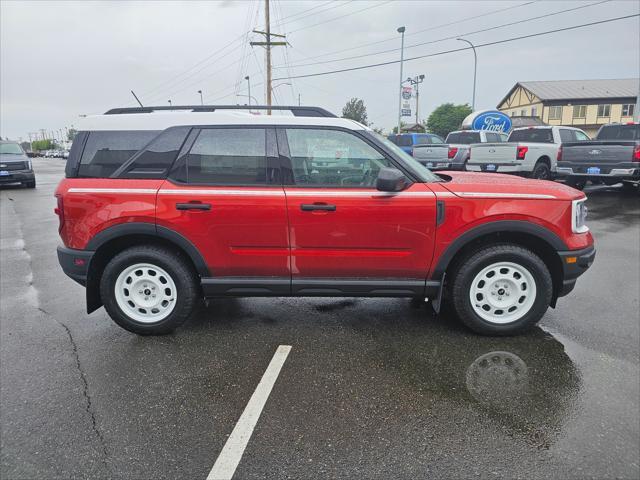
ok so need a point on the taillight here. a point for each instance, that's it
(522, 151)
(413, 151)
(636, 154)
(452, 152)
(559, 157)
(59, 210)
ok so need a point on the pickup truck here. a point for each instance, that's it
(613, 157)
(529, 151)
(456, 153)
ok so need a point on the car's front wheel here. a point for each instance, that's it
(149, 290)
(501, 290)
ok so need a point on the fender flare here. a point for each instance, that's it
(146, 228)
(500, 226)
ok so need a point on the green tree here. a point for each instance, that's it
(447, 118)
(402, 125)
(42, 145)
(355, 110)
(71, 134)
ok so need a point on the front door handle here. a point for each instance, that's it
(193, 206)
(310, 207)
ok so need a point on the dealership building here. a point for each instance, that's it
(586, 104)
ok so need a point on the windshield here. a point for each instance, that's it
(425, 174)
(464, 138)
(620, 132)
(10, 149)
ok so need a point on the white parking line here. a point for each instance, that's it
(232, 451)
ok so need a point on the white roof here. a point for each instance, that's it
(160, 120)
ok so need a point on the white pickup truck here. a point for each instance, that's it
(529, 151)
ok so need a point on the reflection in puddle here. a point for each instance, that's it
(498, 379)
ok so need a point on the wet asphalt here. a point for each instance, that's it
(372, 388)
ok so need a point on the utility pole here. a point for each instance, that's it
(475, 70)
(400, 30)
(417, 80)
(268, 44)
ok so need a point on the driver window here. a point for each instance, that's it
(333, 158)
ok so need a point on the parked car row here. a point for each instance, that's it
(55, 154)
(541, 152)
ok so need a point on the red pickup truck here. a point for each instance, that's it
(161, 209)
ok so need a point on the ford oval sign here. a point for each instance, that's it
(491, 120)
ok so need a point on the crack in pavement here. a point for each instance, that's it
(74, 350)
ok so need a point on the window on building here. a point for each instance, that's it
(579, 111)
(628, 110)
(555, 113)
(534, 111)
(333, 158)
(228, 156)
(523, 112)
(604, 110)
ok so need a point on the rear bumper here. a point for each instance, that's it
(498, 167)
(574, 264)
(626, 171)
(75, 263)
(17, 177)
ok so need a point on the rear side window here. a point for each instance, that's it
(620, 132)
(535, 135)
(106, 151)
(464, 138)
(404, 140)
(566, 135)
(228, 156)
(157, 158)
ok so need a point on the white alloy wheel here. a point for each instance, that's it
(146, 293)
(502, 292)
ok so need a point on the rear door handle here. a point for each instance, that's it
(309, 207)
(193, 206)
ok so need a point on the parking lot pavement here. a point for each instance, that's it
(372, 388)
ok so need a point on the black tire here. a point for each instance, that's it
(31, 184)
(575, 183)
(470, 266)
(541, 171)
(187, 291)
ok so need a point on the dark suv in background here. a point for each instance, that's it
(15, 166)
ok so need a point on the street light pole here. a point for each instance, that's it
(249, 87)
(475, 69)
(401, 30)
(201, 100)
(169, 102)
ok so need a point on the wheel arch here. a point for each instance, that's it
(540, 240)
(114, 239)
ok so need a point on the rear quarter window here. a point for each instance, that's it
(106, 151)
(620, 132)
(534, 135)
(464, 138)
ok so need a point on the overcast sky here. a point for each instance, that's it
(60, 60)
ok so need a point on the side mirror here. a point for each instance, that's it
(391, 180)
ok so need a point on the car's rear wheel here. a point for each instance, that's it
(149, 290)
(541, 171)
(501, 290)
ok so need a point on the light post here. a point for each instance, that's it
(401, 30)
(249, 88)
(416, 81)
(201, 100)
(169, 102)
(475, 69)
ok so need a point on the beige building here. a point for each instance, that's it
(586, 104)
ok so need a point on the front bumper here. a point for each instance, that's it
(17, 177)
(574, 264)
(75, 263)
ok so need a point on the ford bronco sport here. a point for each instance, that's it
(163, 206)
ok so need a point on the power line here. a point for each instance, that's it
(497, 42)
(424, 30)
(281, 23)
(446, 38)
(341, 16)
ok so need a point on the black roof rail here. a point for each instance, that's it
(297, 111)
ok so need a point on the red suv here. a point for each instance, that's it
(162, 208)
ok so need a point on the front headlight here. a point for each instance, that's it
(579, 216)
(29, 166)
